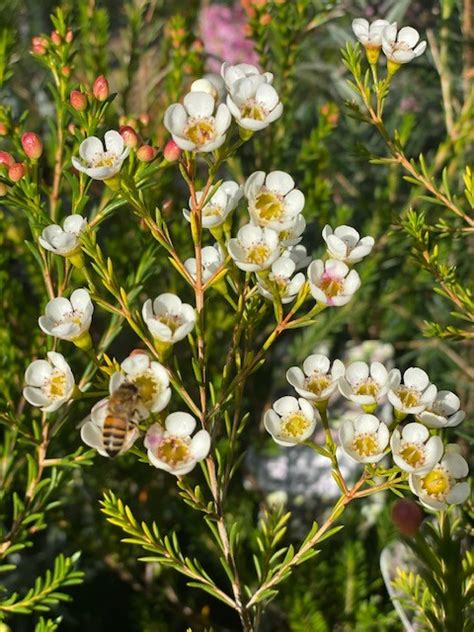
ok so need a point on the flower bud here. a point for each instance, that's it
(6, 159)
(144, 119)
(3, 129)
(56, 38)
(136, 352)
(39, 45)
(129, 135)
(265, 19)
(171, 151)
(16, 172)
(32, 145)
(100, 89)
(69, 36)
(3, 189)
(407, 516)
(78, 100)
(146, 153)
(66, 71)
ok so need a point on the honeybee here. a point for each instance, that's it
(122, 415)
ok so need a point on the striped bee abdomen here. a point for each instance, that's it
(113, 434)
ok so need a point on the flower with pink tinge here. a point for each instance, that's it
(172, 448)
(222, 29)
(345, 244)
(331, 282)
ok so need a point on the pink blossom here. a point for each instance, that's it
(223, 33)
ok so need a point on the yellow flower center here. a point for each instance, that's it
(413, 454)
(258, 254)
(269, 205)
(200, 131)
(212, 210)
(173, 321)
(294, 425)
(369, 387)
(365, 444)
(317, 382)
(147, 386)
(409, 397)
(57, 384)
(331, 287)
(104, 160)
(253, 110)
(436, 483)
(173, 450)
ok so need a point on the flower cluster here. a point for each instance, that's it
(434, 471)
(399, 46)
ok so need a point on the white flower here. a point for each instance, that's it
(172, 449)
(363, 384)
(298, 254)
(364, 439)
(414, 395)
(222, 203)
(98, 162)
(211, 259)
(318, 380)
(293, 235)
(168, 318)
(290, 421)
(254, 248)
(273, 200)
(49, 383)
(63, 241)
(231, 74)
(68, 319)
(205, 85)
(196, 125)
(443, 412)
(92, 429)
(439, 488)
(254, 103)
(401, 48)
(413, 449)
(345, 244)
(150, 377)
(281, 282)
(331, 282)
(369, 35)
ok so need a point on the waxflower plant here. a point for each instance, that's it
(170, 408)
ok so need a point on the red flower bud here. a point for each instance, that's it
(78, 100)
(129, 135)
(146, 153)
(66, 71)
(56, 38)
(69, 36)
(3, 129)
(6, 159)
(16, 171)
(171, 152)
(39, 45)
(100, 89)
(32, 145)
(407, 515)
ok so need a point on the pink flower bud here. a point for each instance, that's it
(3, 129)
(32, 145)
(66, 71)
(78, 100)
(69, 36)
(39, 45)
(6, 159)
(144, 118)
(171, 151)
(100, 89)
(56, 38)
(407, 515)
(136, 352)
(146, 153)
(16, 171)
(129, 135)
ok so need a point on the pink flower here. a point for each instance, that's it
(223, 33)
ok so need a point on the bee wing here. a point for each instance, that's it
(97, 406)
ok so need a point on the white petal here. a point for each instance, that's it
(199, 104)
(409, 36)
(90, 147)
(316, 362)
(180, 424)
(114, 142)
(416, 378)
(415, 433)
(200, 445)
(357, 372)
(285, 405)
